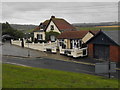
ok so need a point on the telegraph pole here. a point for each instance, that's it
(28, 44)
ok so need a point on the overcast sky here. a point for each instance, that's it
(79, 12)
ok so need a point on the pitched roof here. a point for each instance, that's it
(41, 26)
(94, 31)
(62, 24)
(36, 29)
(76, 34)
(72, 35)
(46, 22)
(113, 35)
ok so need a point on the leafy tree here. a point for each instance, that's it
(7, 29)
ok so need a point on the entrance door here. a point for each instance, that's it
(101, 52)
(52, 38)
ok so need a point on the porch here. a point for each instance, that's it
(74, 52)
(72, 47)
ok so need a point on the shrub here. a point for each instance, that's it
(48, 34)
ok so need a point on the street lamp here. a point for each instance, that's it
(28, 43)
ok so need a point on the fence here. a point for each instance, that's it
(16, 42)
(36, 46)
(74, 52)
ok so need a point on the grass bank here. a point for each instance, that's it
(29, 77)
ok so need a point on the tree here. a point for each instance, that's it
(7, 29)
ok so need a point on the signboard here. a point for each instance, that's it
(104, 67)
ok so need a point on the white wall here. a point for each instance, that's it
(55, 28)
(36, 46)
(16, 42)
(43, 34)
(87, 37)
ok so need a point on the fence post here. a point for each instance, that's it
(109, 67)
(30, 39)
(22, 42)
(11, 41)
(32, 42)
(43, 44)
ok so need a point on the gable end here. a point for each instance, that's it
(102, 38)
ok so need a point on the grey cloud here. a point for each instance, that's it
(36, 12)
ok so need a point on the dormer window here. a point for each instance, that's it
(52, 27)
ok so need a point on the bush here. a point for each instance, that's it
(48, 34)
(8, 30)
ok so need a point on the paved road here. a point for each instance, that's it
(53, 64)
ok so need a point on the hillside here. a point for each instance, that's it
(79, 26)
(23, 28)
(95, 24)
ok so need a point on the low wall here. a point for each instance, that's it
(36, 46)
(16, 42)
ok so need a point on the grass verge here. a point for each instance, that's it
(29, 77)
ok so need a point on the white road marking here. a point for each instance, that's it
(17, 64)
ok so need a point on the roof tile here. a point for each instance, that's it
(75, 34)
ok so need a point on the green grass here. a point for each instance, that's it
(28, 77)
(97, 28)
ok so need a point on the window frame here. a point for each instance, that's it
(52, 27)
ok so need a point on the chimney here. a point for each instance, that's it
(52, 16)
(41, 24)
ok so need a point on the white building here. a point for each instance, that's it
(56, 25)
(73, 43)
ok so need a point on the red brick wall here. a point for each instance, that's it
(90, 50)
(114, 53)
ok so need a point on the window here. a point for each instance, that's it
(52, 27)
(61, 42)
(80, 43)
(39, 36)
